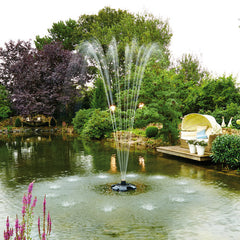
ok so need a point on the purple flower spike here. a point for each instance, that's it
(25, 201)
(16, 224)
(49, 224)
(30, 187)
(44, 206)
(34, 203)
(9, 232)
(39, 228)
(29, 199)
(7, 223)
(43, 236)
(23, 210)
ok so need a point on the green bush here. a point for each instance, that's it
(82, 116)
(226, 150)
(18, 122)
(145, 116)
(231, 110)
(98, 126)
(151, 131)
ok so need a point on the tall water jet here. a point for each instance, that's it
(122, 86)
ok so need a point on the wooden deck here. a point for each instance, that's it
(183, 152)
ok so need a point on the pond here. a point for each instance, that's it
(175, 199)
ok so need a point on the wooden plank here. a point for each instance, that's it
(183, 152)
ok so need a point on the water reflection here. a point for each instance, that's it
(113, 164)
(142, 163)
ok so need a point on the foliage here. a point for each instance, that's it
(151, 131)
(145, 116)
(82, 116)
(40, 81)
(18, 122)
(191, 142)
(189, 75)
(109, 23)
(232, 110)
(65, 32)
(99, 99)
(189, 70)
(201, 143)
(226, 150)
(159, 94)
(139, 132)
(23, 229)
(98, 126)
(4, 103)
(213, 94)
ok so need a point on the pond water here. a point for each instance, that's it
(175, 199)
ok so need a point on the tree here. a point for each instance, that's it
(213, 94)
(40, 81)
(189, 75)
(99, 97)
(189, 70)
(5, 109)
(159, 95)
(109, 23)
(65, 32)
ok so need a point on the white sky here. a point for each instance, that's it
(207, 29)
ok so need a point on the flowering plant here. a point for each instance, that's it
(23, 229)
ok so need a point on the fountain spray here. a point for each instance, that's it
(122, 86)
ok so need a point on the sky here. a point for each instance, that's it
(207, 29)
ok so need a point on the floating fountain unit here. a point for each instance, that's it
(123, 187)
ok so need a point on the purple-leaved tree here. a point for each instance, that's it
(40, 81)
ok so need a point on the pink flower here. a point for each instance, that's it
(16, 224)
(39, 230)
(44, 206)
(29, 199)
(43, 236)
(30, 187)
(7, 223)
(49, 224)
(25, 201)
(34, 203)
(23, 210)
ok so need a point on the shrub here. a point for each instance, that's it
(82, 116)
(145, 116)
(98, 125)
(18, 122)
(226, 150)
(234, 121)
(151, 131)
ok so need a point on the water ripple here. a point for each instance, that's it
(148, 207)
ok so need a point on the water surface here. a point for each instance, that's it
(175, 199)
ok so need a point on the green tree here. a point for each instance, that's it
(189, 76)
(5, 109)
(190, 70)
(65, 32)
(98, 126)
(99, 97)
(158, 94)
(214, 93)
(109, 23)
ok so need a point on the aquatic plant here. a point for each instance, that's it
(46, 231)
(23, 229)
